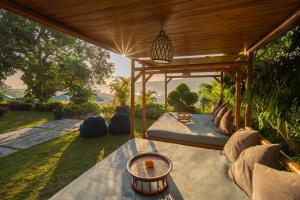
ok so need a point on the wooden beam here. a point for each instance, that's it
(143, 101)
(138, 76)
(221, 65)
(282, 27)
(194, 76)
(237, 102)
(218, 80)
(29, 14)
(221, 85)
(132, 96)
(175, 71)
(166, 93)
(148, 78)
(168, 80)
(248, 84)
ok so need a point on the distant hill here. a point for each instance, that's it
(159, 86)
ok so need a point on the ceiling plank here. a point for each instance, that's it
(282, 27)
(27, 13)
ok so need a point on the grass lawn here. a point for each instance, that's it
(14, 120)
(42, 170)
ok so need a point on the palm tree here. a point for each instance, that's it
(120, 87)
(209, 95)
(150, 97)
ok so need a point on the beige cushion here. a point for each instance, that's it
(217, 105)
(220, 115)
(226, 123)
(218, 109)
(239, 141)
(273, 184)
(241, 171)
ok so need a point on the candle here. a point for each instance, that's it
(149, 163)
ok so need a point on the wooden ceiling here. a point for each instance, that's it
(129, 27)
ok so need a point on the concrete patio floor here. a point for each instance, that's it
(13, 141)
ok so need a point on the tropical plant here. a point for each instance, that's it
(182, 99)
(150, 97)
(209, 94)
(120, 87)
(274, 93)
(153, 110)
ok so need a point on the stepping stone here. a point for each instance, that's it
(25, 142)
(56, 123)
(4, 137)
(70, 126)
(6, 151)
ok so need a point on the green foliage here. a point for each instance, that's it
(120, 87)
(182, 99)
(79, 94)
(153, 110)
(150, 97)
(209, 94)
(107, 111)
(72, 109)
(274, 93)
(50, 106)
(50, 61)
(19, 105)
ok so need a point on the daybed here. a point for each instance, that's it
(202, 132)
(204, 177)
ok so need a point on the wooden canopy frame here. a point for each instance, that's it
(237, 70)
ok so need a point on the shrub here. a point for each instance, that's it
(123, 109)
(83, 108)
(3, 110)
(153, 110)
(16, 105)
(108, 111)
(182, 99)
(55, 105)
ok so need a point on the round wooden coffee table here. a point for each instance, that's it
(149, 181)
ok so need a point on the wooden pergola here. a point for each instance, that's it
(207, 36)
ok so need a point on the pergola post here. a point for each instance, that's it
(166, 93)
(237, 102)
(221, 85)
(248, 84)
(143, 102)
(132, 93)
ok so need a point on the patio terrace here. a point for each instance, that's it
(207, 36)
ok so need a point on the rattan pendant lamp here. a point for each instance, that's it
(162, 49)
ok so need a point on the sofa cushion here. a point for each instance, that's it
(220, 115)
(238, 142)
(226, 123)
(280, 184)
(218, 109)
(241, 171)
(217, 105)
(201, 130)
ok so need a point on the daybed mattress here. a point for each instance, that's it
(201, 130)
(197, 174)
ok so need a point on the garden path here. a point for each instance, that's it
(13, 141)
